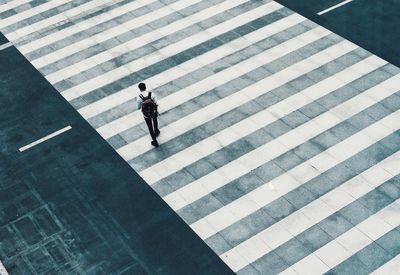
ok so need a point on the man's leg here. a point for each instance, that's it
(156, 130)
(150, 126)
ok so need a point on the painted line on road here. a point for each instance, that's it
(5, 46)
(3, 270)
(26, 147)
(334, 7)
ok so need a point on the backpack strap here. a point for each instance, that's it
(142, 97)
(149, 96)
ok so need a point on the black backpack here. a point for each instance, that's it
(149, 107)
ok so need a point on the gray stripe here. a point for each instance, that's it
(328, 229)
(41, 16)
(392, 69)
(287, 161)
(303, 195)
(203, 73)
(7, 13)
(235, 85)
(241, 112)
(373, 256)
(130, 56)
(76, 37)
(167, 63)
(21, 8)
(106, 7)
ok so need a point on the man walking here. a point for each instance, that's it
(149, 106)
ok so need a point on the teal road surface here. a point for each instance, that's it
(280, 125)
(373, 25)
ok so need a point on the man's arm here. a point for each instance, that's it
(138, 102)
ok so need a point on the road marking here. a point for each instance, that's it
(5, 46)
(26, 147)
(180, 46)
(3, 270)
(334, 7)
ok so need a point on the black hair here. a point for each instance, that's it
(142, 87)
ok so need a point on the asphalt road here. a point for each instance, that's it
(373, 25)
(71, 204)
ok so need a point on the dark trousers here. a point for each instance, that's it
(152, 124)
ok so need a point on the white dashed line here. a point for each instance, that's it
(26, 147)
(334, 7)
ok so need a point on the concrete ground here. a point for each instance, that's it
(280, 137)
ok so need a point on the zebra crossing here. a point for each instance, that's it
(280, 140)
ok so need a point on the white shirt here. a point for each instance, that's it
(139, 100)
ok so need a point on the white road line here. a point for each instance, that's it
(187, 67)
(284, 183)
(3, 270)
(195, 89)
(54, 19)
(151, 59)
(243, 128)
(5, 46)
(131, 45)
(134, 118)
(352, 241)
(26, 147)
(31, 12)
(100, 37)
(230, 102)
(392, 267)
(12, 4)
(313, 213)
(48, 38)
(334, 7)
(244, 164)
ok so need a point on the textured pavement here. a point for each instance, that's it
(279, 139)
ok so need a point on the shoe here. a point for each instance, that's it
(157, 133)
(155, 143)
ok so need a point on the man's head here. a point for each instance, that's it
(142, 87)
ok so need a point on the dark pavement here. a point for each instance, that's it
(373, 25)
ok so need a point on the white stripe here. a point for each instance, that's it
(242, 165)
(191, 65)
(31, 12)
(52, 20)
(285, 183)
(30, 145)
(5, 46)
(139, 41)
(392, 267)
(198, 88)
(334, 7)
(85, 25)
(12, 4)
(353, 240)
(243, 128)
(3, 270)
(83, 44)
(230, 102)
(134, 118)
(309, 215)
(170, 50)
